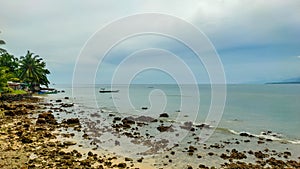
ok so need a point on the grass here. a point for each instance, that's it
(19, 92)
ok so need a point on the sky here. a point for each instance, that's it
(256, 41)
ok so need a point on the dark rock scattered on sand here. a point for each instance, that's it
(122, 165)
(234, 154)
(69, 143)
(145, 119)
(164, 115)
(187, 125)
(165, 128)
(72, 121)
(260, 155)
(66, 105)
(46, 118)
(128, 120)
(203, 125)
(244, 134)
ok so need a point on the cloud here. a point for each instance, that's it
(57, 30)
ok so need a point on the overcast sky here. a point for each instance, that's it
(257, 41)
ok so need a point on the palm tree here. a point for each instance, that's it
(33, 70)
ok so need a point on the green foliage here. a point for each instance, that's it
(18, 92)
(29, 69)
(2, 42)
(9, 61)
(33, 70)
(4, 77)
(7, 90)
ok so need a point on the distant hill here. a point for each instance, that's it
(287, 81)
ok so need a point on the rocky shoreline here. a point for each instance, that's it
(28, 139)
(32, 136)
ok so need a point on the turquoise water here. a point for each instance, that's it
(249, 108)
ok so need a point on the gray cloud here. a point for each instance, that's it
(57, 30)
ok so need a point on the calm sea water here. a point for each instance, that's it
(255, 109)
(249, 108)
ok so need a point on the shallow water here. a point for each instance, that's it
(255, 109)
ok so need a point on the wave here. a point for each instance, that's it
(268, 135)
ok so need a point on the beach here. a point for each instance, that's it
(54, 132)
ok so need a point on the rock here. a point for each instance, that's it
(210, 153)
(244, 134)
(122, 165)
(46, 117)
(202, 126)
(26, 140)
(85, 136)
(187, 125)
(165, 128)
(72, 121)
(287, 153)
(117, 118)
(189, 167)
(276, 163)
(117, 143)
(41, 121)
(128, 159)
(69, 143)
(164, 115)
(202, 166)
(90, 153)
(145, 119)
(51, 144)
(140, 160)
(128, 120)
(260, 142)
(224, 156)
(260, 155)
(192, 149)
(237, 155)
(66, 105)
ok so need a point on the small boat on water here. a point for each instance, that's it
(48, 91)
(103, 90)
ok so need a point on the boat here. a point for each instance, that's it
(108, 91)
(48, 91)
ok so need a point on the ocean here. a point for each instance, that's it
(268, 111)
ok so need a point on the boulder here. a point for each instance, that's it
(164, 115)
(165, 128)
(46, 118)
(72, 121)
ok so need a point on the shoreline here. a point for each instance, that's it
(28, 140)
(33, 135)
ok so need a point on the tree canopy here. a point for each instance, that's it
(33, 70)
(30, 69)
